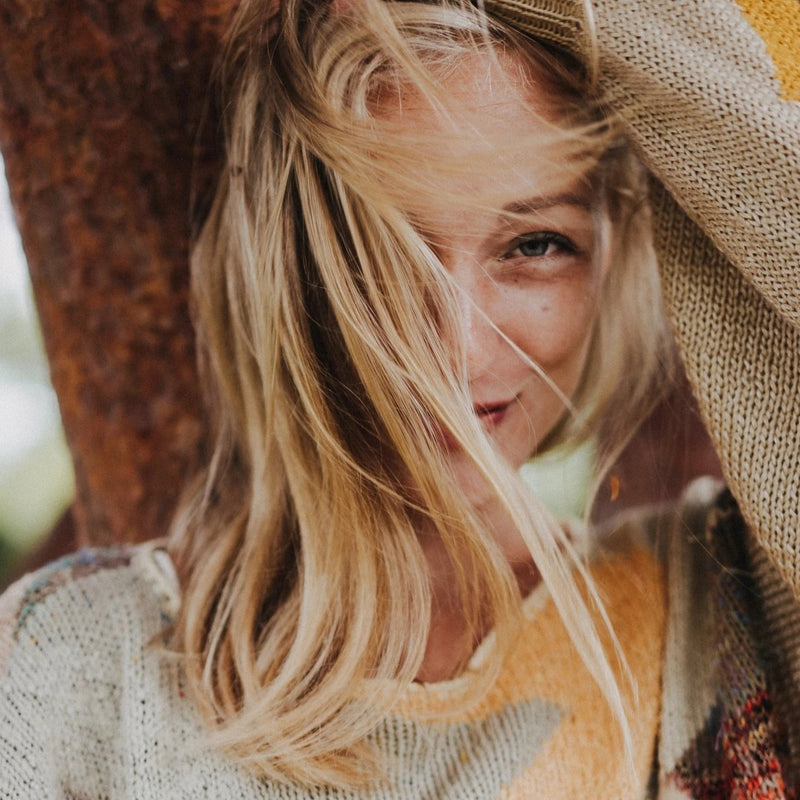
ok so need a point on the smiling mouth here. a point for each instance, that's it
(491, 414)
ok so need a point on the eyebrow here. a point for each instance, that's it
(539, 203)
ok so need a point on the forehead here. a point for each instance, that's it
(483, 93)
(487, 136)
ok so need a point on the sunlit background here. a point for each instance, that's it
(36, 480)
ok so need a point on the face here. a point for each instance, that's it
(521, 251)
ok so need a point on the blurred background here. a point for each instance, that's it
(36, 480)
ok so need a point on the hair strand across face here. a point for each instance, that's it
(324, 315)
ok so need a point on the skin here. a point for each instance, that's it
(522, 252)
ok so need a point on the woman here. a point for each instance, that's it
(428, 258)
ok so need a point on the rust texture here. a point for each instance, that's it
(100, 104)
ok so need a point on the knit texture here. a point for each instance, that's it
(736, 743)
(709, 91)
(92, 703)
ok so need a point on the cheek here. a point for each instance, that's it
(552, 325)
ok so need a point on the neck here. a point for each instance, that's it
(450, 642)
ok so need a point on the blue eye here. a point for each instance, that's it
(537, 245)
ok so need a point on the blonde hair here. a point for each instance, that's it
(320, 313)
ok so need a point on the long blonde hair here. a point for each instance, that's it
(320, 313)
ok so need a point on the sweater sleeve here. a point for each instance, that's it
(26, 757)
(709, 92)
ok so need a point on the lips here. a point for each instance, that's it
(491, 414)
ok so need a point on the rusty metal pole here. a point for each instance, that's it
(100, 107)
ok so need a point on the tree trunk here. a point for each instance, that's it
(100, 107)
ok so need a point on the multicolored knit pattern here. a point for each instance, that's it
(22, 599)
(742, 752)
(66, 570)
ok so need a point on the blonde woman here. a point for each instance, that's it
(429, 258)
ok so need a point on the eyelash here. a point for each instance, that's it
(546, 238)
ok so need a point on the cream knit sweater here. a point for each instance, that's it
(92, 703)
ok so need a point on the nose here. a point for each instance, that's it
(481, 339)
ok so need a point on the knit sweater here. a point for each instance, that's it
(93, 704)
